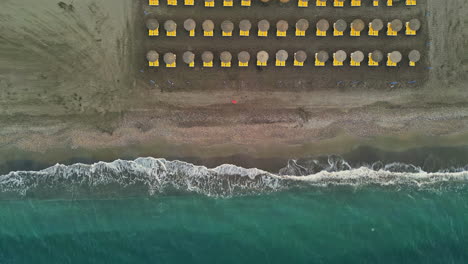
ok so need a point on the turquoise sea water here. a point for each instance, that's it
(313, 225)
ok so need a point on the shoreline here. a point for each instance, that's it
(453, 153)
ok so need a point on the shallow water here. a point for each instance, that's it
(158, 211)
(317, 225)
(151, 176)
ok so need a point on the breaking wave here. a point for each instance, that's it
(154, 176)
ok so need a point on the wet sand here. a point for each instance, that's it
(70, 87)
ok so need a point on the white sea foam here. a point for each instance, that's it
(159, 176)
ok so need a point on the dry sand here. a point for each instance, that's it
(69, 86)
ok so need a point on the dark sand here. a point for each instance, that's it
(71, 89)
(288, 79)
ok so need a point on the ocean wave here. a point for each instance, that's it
(154, 176)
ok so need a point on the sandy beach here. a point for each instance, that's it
(71, 87)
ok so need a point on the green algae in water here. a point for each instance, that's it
(329, 225)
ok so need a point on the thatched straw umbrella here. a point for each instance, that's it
(243, 56)
(377, 56)
(282, 55)
(227, 26)
(282, 25)
(377, 24)
(302, 24)
(395, 56)
(322, 56)
(396, 25)
(262, 56)
(188, 57)
(414, 56)
(414, 24)
(245, 25)
(170, 25)
(152, 56)
(265, 1)
(225, 56)
(189, 24)
(323, 25)
(357, 56)
(152, 24)
(263, 25)
(207, 56)
(340, 55)
(169, 58)
(340, 25)
(208, 25)
(300, 56)
(358, 25)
